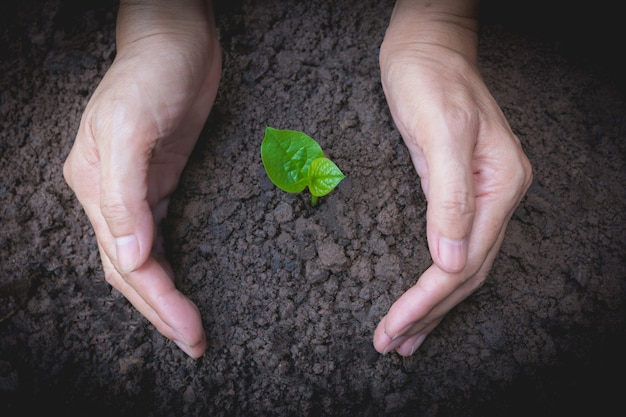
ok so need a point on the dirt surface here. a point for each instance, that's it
(290, 295)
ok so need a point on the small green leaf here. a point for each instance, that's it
(287, 156)
(324, 176)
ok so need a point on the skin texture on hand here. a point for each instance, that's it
(472, 168)
(134, 139)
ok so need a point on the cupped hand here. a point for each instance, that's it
(472, 168)
(134, 139)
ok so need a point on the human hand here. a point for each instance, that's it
(472, 168)
(134, 139)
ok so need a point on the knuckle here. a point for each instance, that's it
(520, 177)
(70, 170)
(458, 205)
(459, 114)
(113, 209)
(528, 175)
(67, 172)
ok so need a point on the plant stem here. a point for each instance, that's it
(313, 200)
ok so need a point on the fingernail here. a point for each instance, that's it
(181, 339)
(452, 253)
(403, 331)
(127, 250)
(185, 348)
(417, 344)
(394, 344)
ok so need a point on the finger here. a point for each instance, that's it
(437, 291)
(412, 311)
(412, 343)
(405, 345)
(423, 306)
(448, 146)
(152, 292)
(413, 316)
(125, 149)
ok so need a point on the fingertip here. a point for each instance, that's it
(411, 345)
(387, 339)
(194, 352)
(452, 254)
(129, 234)
(381, 340)
(394, 344)
(127, 253)
(194, 346)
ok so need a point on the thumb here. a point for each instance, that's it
(124, 154)
(450, 193)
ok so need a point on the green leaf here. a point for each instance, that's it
(324, 176)
(287, 156)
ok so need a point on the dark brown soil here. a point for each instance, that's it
(290, 295)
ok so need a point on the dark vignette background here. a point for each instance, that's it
(291, 295)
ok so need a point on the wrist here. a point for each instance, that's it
(446, 25)
(187, 21)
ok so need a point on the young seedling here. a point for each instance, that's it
(294, 161)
